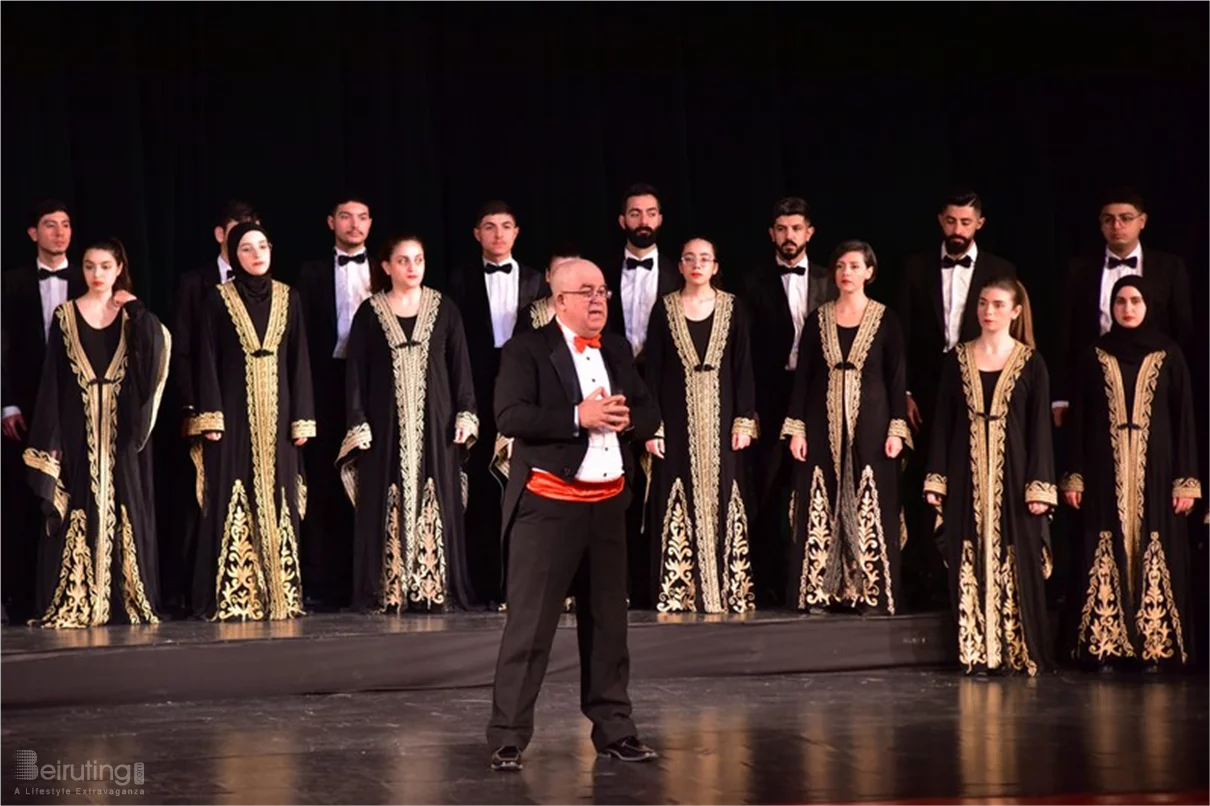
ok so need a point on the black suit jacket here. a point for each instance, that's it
(317, 287)
(24, 334)
(536, 393)
(191, 290)
(670, 280)
(921, 312)
(773, 337)
(1168, 308)
(470, 295)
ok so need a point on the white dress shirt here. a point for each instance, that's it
(603, 459)
(797, 287)
(1109, 277)
(955, 289)
(640, 288)
(224, 270)
(53, 292)
(352, 289)
(503, 294)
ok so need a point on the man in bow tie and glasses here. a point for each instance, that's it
(780, 296)
(332, 288)
(933, 309)
(1086, 306)
(30, 296)
(492, 292)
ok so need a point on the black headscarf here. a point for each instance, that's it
(255, 290)
(1128, 344)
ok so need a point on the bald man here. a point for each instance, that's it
(571, 399)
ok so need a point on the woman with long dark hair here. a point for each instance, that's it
(88, 456)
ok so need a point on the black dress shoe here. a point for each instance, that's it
(506, 758)
(629, 749)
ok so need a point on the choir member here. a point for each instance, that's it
(491, 294)
(1132, 449)
(847, 424)
(411, 420)
(935, 316)
(29, 297)
(779, 298)
(89, 463)
(255, 412)
(179, 548)
(991, 477)
(700, 370)
(332, 289)
(1086, 302)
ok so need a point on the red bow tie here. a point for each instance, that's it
(582, 342)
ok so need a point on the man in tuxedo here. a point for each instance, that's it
(937, 309)
(176, 555)
(571, 398)
(332, 288)
(779, 298)
(1086, 306)
(30, 295)
(491, 294)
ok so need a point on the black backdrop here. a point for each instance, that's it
(145, 117)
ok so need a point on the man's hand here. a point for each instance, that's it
(1058, 413)
(913, 414)
(14, 427)
(598, 412)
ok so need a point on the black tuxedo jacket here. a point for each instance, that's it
(536, 393)
(1168, 309)
(921, 312)
(670, 280)
(24, 336)
(773, 337)
(469, 293)
(317, 287)
(191, 290)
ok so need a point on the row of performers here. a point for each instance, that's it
(412, 415)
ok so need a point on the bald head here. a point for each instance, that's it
(576, 284)
(573, 274)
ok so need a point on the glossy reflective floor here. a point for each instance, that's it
(898, 735)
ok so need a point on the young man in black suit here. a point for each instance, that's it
(937, 309)
(29, 297)
(780, 296)
(571, 398)
(491, 294)
(1086, 306)
(332, 289)
(176, 554)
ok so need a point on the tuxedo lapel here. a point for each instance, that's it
(327, 298)
(670, 278)
(933, 286)
(529, 283)
(560, 357)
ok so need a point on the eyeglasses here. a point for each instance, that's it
(694, 260)
(589, 294)
(1124, 218)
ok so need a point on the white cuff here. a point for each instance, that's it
(575, 418)
(1060, 404)
(9, 411)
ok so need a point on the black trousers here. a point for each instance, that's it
(22, 521)
(553, 544)
(327, 529)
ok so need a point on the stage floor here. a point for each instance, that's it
(342, 653)
(904, 735)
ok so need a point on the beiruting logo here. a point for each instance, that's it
(27, 769)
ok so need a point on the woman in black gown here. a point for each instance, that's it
(991, 477)
(412, 421)
(847, 427)
(255, 412)
(105, 369)
(1133, 475)
(700, 370)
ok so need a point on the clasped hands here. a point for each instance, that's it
(601, 412)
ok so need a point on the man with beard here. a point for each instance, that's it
(935, 316)
(30, 296)
(492, 294)
(779, 297)
(332, 289)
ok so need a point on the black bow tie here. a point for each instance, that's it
(47, 274)
(634, 263)
(1132, 262)
(799, 270)
(346, 259)
(492, 268)
(948, 262)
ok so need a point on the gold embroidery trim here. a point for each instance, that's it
(541, 313)
(1041, 492)
(239, 583)
(469, 422)
(134, 594)
(899, 428)
(1130, 447)
(703, 406)
(1186, 488)
(678, 593)
(793, 428)
(1014, 628)
(817, 544)
(972, 643)
(1072, 483)
(71, 606)
(161, 381)
(302, 429)
(1158, 605)
(737, 568)
(205, 421)
(41, 461)
(198, 457)
(936, 483)
(426, 564)
(745, 425)
(1102, 622)
(844, 385)
(391, 595)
